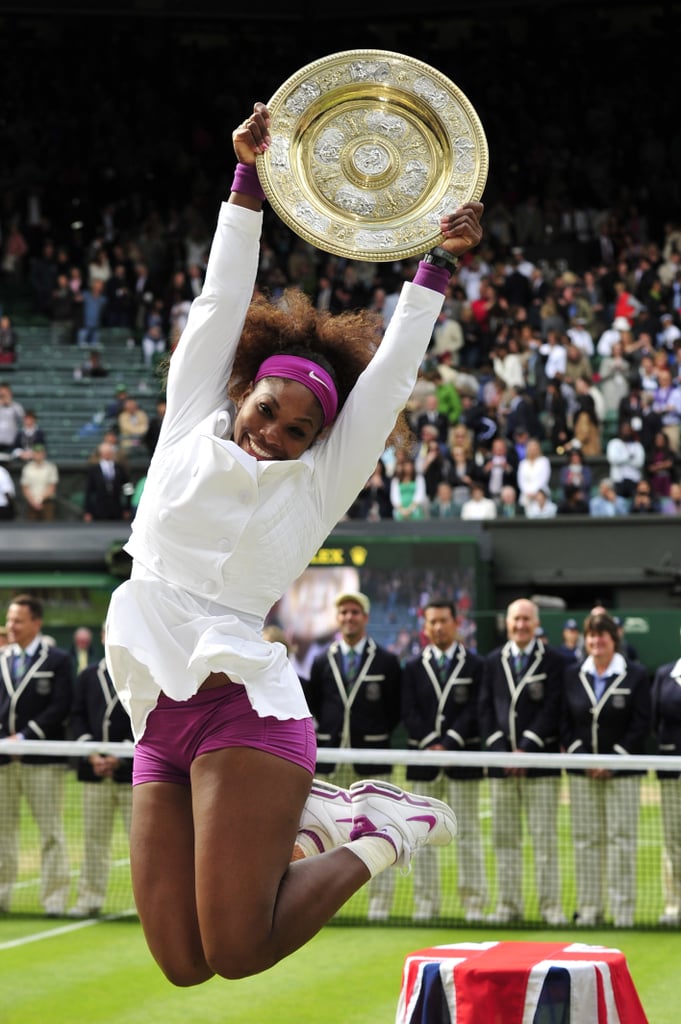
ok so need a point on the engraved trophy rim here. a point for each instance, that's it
(369, 149)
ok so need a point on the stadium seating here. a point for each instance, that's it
(72, 412)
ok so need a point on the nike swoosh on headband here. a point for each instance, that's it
(318, 379)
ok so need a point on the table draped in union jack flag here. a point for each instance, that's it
(518, 983)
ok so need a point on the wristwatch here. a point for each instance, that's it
(440, 258)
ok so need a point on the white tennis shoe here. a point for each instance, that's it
(418, 820)
(327, 815)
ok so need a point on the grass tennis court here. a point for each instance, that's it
(86, 972)
(100, 971)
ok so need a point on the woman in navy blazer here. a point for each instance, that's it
(606, 710)
(666, 698)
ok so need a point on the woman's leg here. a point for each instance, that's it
(210, 865)
(162, 867)
(254, 908)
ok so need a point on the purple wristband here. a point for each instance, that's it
(435, 278)
(247, 182)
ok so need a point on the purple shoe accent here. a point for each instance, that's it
(328, 792)
(361, 826)
(332, 795)
(364, 833)
(314, 837)
(387, 789)
(429, 819)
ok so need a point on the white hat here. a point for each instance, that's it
(621, 324)
(350, 595)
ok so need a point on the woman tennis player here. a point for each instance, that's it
(275, 418)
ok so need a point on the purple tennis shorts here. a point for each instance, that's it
(179, 731)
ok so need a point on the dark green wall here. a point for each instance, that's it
(632, 565)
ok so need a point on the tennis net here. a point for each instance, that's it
(610, 852)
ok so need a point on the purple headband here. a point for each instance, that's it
(306, 372)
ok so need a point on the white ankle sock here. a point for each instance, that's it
(377, 850)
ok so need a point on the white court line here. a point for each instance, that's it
(32, 883)
(63, 930)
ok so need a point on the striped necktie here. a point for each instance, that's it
(442, 667)
(351, 665)
(520, 663)
(20, 661)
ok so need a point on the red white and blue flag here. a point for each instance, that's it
(509, 982)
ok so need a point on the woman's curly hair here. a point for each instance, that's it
(342, 343)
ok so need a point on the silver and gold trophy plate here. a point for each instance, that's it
(369, 149)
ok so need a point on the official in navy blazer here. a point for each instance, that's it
(666, 707)
(519, 711)
(440, 690)
(354, 695)
(36, 690)
(358, 706)
(606, 710)
(98, 715)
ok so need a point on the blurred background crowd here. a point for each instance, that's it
(552, 384)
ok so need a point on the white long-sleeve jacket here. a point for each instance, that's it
(221, 532)
(214, 520)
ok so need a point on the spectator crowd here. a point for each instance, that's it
(558, 348)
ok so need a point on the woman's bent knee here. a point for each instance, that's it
(235, 964)
(186, 975)
(184, 965)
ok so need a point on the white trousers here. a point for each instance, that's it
(101, 802)
(670, 800)
(535, 800)
(604, 815)
(463, 796)
(42, 786)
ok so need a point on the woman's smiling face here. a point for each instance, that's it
(601, 647)
(279, 419)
